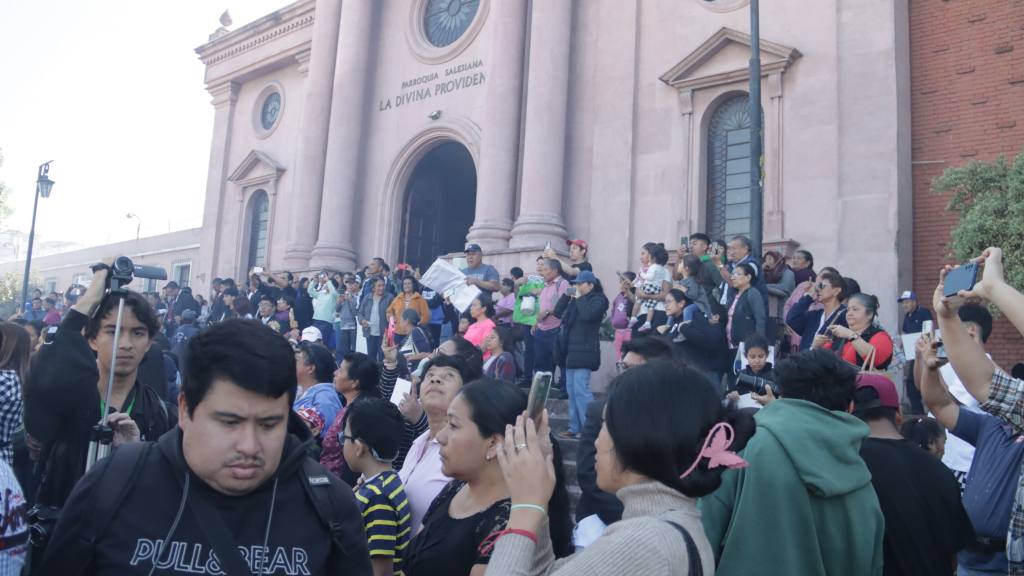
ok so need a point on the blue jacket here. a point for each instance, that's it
(806, 322)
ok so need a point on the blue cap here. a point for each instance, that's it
(907, 295)
(473, 248)
(585, 276)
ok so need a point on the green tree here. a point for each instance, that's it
(989, 198)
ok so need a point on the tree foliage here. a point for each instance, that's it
(989, 198)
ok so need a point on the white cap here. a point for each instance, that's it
(311, 334)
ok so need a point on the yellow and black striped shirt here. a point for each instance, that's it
(386, 517)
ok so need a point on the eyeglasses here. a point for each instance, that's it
(342, 437)
(824, 285)
(621, 367)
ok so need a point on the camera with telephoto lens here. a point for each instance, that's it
(123, 271)
(756, 384)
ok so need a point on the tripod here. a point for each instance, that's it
(101, 439)
(120, 274)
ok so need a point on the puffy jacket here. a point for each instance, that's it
(581, 322)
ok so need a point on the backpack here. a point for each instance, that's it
(118, 479)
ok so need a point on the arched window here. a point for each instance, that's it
(729, 169)
(258, 229)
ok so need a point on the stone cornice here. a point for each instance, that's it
(285, 21)
(775, 59)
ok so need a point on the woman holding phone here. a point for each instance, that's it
(473, 509)
(665, 442)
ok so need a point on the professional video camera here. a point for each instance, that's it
(122, 272)
(756, 384)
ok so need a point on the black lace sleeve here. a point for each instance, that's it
(493, 521)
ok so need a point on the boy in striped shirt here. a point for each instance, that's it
(372, 432)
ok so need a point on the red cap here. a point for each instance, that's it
(883, 386)
(578, 242)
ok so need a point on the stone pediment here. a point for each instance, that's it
(256, 168)
(724, 58)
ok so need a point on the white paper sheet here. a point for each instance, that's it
(402, 387)
(445, 278)
(910, 342)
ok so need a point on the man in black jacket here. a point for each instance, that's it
(594, 500)
(230, 491)
(67, 385)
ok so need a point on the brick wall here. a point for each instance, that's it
(967, 103)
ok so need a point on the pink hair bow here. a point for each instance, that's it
(716, 450)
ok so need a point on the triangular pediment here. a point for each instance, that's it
(724, 58)
(256, 167)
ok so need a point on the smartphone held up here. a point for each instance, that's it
(539, 391)
(961, 278)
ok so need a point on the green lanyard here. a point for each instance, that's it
(128, 411)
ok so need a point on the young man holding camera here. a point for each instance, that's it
(67, 386)
(231, 491)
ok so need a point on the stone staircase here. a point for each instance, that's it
(558, 418)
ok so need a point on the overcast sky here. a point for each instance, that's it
(111, 91)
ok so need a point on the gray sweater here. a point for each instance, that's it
(643, 542)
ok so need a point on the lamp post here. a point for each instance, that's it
(138, 225)
(43, 187)
(756, 191)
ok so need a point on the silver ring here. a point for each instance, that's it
(520, 447)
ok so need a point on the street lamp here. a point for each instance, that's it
(756, 192)
(138, 225)
(43, 187)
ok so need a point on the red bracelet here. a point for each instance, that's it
(488, 544)
(527, 533)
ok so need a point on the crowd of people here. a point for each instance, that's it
(760, 418)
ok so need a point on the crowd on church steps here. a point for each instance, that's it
(760, 419)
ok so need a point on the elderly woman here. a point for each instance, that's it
(422, 473)
(862, 336)
(473, 509)
(665, 441)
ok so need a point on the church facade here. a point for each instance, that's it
(351, 129)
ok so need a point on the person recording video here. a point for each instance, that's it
(67, 386)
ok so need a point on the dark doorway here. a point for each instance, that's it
(439, 205)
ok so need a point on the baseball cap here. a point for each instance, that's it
(907, 295)
(311, 334)
(585, 276)
(188, 314)
(884, 389)
(577, 242)
(473, 248)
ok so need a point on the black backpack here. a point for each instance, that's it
(118, 479)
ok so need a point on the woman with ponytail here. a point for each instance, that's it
(665, 442)
(865, 336)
